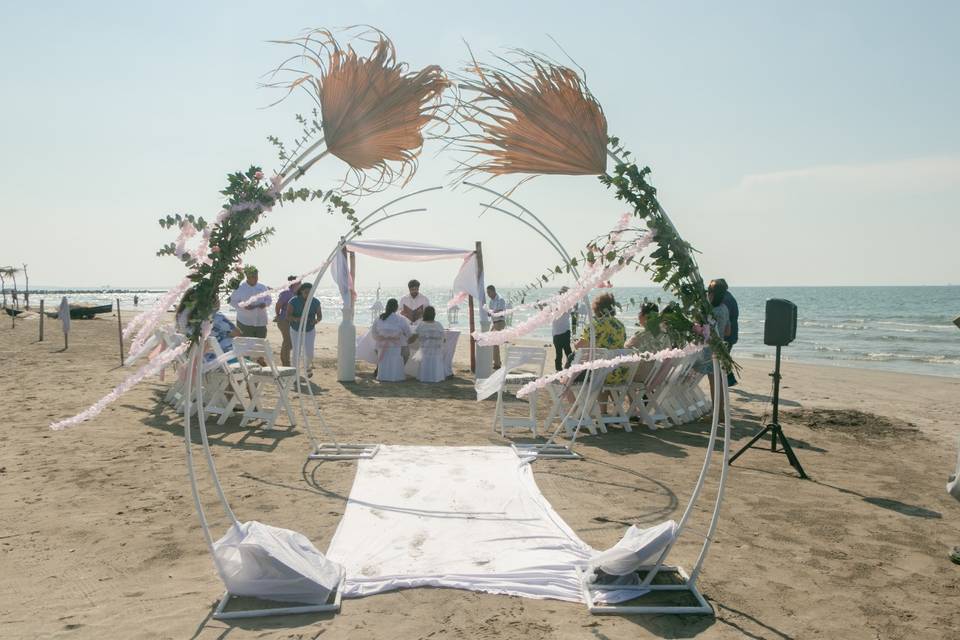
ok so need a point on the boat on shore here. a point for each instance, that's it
(84, 311)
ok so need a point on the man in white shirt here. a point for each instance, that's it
(252, 319)
(497, 306)
(561, 338)
(412, 305)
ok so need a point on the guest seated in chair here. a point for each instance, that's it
(610, 334)
(391, 332)
(222, 330)
(645, 340)
(427, 363)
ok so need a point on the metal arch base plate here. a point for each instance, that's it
(332, 605)
(327, 451)
(553, 451)
(590, 591)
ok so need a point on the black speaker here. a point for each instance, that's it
(780, 326)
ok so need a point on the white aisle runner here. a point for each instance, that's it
(462, 517)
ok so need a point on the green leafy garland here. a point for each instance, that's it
(231, 239)
(671, 264)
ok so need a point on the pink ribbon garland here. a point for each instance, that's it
(154, 366)
(149, 320)
(560, 304)
(618, 361)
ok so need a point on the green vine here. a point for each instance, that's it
(251, 196)
(671, 264)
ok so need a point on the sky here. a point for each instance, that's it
(810, 143)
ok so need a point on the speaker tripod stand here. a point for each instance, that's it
(776, 433)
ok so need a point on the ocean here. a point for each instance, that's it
(904, 329)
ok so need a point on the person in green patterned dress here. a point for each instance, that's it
(610, 332)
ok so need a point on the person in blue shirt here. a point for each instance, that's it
(731, 304)
(295, 315)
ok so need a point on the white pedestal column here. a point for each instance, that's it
(347, 348)
(484, 354)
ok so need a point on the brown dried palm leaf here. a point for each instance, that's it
(373, 110)
(534, 117)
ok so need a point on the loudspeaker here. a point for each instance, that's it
(780, 326)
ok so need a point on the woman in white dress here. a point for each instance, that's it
(391, 332)
(430, 354)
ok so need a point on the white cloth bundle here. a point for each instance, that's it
(636, 548)
(260, 561)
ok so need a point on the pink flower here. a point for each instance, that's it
(215, 250)
(258, 176)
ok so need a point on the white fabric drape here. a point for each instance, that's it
(468, 280)
(340, 271)
(405, 251)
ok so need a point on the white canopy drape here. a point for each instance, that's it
(468, 280)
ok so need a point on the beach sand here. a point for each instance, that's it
(99, 539)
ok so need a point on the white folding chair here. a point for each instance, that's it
(512, 378)
(224, 382)
(258, 378)
(584, 411)
(648, 398)
(171, 340)
(675, 401)
(619, 394)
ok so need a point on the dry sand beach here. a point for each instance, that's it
(98, 537)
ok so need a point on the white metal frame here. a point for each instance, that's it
(550, 449)
(195, 365)
(221, 613)
(688, 581)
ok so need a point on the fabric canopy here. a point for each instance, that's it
(406, 251)
(469, 280)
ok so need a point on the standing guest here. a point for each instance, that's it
(280, 316)
(731, 304)
(721, 316)
(392, 333)
(497, 306)
(295, 321)
(136, 300)
(412, 305)
(251, 319)
(561, 338)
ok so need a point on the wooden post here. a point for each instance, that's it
(473, 343)
(120, 331)
(42, 314)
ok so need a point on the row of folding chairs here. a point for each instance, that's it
(657, 393)
(235, 383)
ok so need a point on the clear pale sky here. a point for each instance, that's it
(811, 143)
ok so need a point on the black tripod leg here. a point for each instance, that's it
(750, 444)
(791, 456)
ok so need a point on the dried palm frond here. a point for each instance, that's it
(534, 117)
(372, 108)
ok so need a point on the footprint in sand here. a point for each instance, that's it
(416, 545)
(409, 492)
